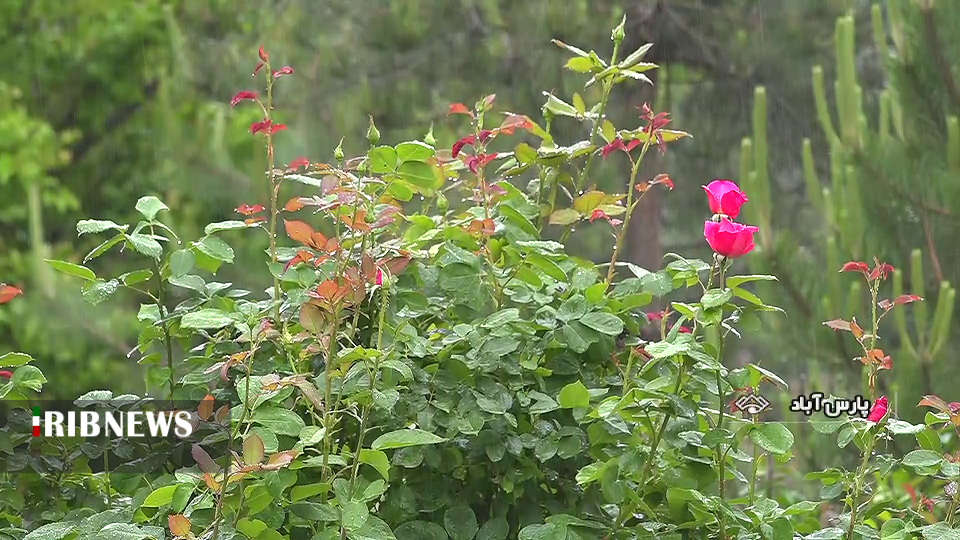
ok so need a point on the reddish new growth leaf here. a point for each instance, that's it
(248, 210)
(179, 525)
(458, 146)
(242, 96)
(266, 125)
(855, 266)
(264, 57)
(285, 70)
(4, 374)
(662, 179)
(878, 358)
(618, 144)
(459, 108)
(886, 304)
(8, 293)
(950, 409)
(515, 121)
(293, 205)
(297, 163)
(598, 214)
(483, 227)
(880, 270)
(838, 324)
(477, 162)
(655, 122)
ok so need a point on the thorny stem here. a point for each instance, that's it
(384, 299)
(168, 343)
(218, 515)
(607, 87)
(861, 470)
(630, 206)
(756, 467)
(722, 457)
(275, 185)
(327, 393)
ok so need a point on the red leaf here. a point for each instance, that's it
(880, 270)
(297, 163)
(458, 108)
(8, 293)
(241, 96)
(906, 299)
(299, 231)
(293, 205)
(285, 70)
(885, 304)
(631, 145)
(262, 125)
(203, 459)
(277, 127)
(838, 324)
(485, 134)
(598, 214)
(263, 54)
(457, 146)
(854, 267)
(613, 146)
(179, 525)
(252, 220)
(248, 210)
(935, 402)
(6, 374)
(663, 179)
(515, 121)
(256, 69)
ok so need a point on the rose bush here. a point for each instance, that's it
(447, 371)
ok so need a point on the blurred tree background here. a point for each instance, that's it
(838, 117)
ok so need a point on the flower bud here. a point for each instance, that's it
(338, 151)
(373, 135)
(618, 32)
(442, 203)
(429, 139)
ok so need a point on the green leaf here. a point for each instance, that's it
(215, 248)
(734, 281)
(104, 247)
(353, 515)
(135, 277)
(547, 531)
(207, 318)
(937, 531)
(419, 174)
(149, 207)
(420, 530)
(227, 226)
(716, 298)
(605, 323)
(574, 396)
(772, 437)
(564, 216)
(893, 529)
(546, 266)
(414, 151)
(29, 377)
(52, 531)
(572, 308)
(314, 511)
(71, 269)
(460, 522)
(98, 291)
(494, 529)
(376, 459)
(146, 245)
(382, 159)
(831, 533)
(373, 529)
(94, 226)
(14, 359)
(558, 106)
(899, 427)
(922, 458)
(579, 64)
(279, 420)
(403, 438)
(160, 497)
(181, 262)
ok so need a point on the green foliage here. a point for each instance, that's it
(451, 373)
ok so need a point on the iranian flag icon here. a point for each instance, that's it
(36, 421)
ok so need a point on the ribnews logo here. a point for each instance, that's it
(126, 424)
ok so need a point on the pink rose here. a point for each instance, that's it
(878, 411)
(725, 197)
(729, 239)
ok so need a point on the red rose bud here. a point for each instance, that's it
(4, 374)
(878, 411)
